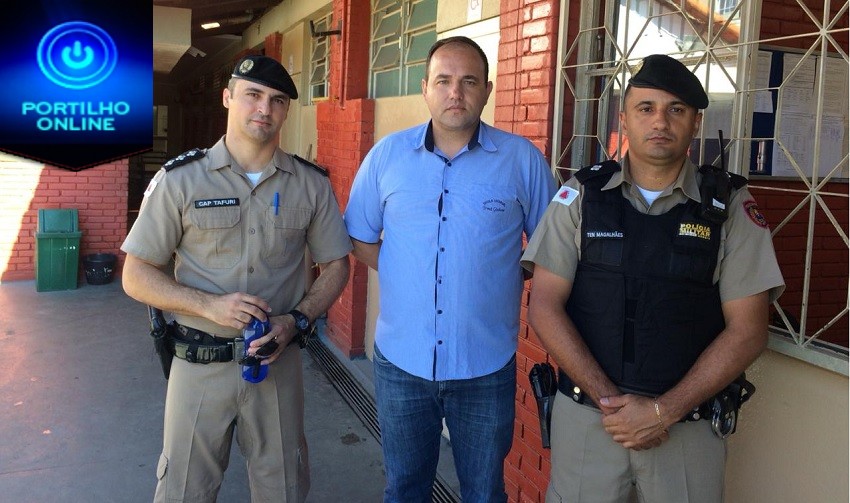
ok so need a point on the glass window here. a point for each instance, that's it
(319, 59)
(402, 33)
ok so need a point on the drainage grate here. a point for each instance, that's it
(362, 403)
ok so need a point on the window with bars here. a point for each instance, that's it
(320, 59)
(402, 33)
(723, 43)
(725, 7)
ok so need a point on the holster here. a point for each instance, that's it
(544, 385)
(162, 333)
(726, 404)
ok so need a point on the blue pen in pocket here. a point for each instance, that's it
(276, 202)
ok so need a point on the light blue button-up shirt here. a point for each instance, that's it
(449, 272)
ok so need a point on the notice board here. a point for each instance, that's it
(785, 108)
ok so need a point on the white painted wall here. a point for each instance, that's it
(792, 439)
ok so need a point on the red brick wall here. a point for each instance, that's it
(785, 18)
(525, 90)
(345, 135)
(346, 124)
(829, 270)
(99, 193)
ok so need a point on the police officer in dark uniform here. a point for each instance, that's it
(652, 280)
(237, 218)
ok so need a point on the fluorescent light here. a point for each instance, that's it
(209, 26)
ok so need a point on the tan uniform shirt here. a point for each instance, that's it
(746, 260)
(228, 236)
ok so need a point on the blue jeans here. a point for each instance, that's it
(479, 413)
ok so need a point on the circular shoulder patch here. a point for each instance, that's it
(754, 213)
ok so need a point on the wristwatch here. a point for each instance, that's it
(303, 326)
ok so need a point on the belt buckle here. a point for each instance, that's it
(238, 345)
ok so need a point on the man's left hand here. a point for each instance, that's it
(635, 424)
(282, 330)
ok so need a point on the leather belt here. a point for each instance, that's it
(566, 386)
(196, 346)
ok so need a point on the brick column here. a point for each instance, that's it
(273, 45)
(346, 124)
(525, 90)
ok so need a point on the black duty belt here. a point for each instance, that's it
(566, 386)
(196, 346)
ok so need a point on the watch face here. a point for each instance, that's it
(301, 321)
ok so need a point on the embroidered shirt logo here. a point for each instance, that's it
(695, 230)
(495, 205)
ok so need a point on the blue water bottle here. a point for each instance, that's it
(252, 371)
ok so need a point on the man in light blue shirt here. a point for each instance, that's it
(439, 210)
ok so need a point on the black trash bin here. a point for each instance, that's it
(99, 268)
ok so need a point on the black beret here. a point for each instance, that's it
(266, 71)
(659, 71)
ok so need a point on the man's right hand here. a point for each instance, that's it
(149, 284)
(236, 309)
(635, 424)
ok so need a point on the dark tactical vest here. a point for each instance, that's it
(643, 298)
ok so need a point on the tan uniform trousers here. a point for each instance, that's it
(204, 404)
(588, 466)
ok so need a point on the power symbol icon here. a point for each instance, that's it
(71, 57)
(77, 55)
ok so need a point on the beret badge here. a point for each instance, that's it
(246, 66)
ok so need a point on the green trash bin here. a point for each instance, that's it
(57, 250)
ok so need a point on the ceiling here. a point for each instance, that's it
(235, 16)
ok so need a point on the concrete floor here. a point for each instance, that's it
(81, 403)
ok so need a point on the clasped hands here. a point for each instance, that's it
(632, 421)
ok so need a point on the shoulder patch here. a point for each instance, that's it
(599, 169)
(185, 158)
(565, 195)
(318, 168)
(153, 183)
(752, 210)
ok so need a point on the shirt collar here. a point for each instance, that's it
(219, 157)
(686, 181)
(479, 137)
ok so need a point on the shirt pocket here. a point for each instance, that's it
(495, 206)
(287, 236)
(219, 243)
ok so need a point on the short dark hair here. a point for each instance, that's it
(458, 40)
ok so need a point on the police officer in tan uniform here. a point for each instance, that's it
(652, 300)
(237, 219)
